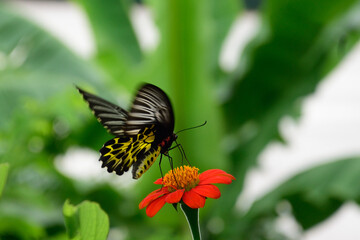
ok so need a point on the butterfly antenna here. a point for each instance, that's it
(201, 125)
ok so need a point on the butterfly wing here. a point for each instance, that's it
(139, 151)
(111, 116)
(151, 106)
(145, 161)
(139, 132)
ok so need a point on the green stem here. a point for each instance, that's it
(192, 217)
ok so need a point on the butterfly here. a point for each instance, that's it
(141, 134)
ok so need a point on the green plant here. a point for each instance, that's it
(85, 221)
(42, 115)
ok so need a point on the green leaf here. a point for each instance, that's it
(118, 48)
(85, 221)
(314, 194)
(71, 220)
(34, 66)
(222, 15)
(4, 168)
(295, 49)
(29, 48)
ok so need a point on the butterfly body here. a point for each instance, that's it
(141, 134)
(166, 143)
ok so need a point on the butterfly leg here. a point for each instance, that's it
(171, 162)
(182, 152)
(182, 155)
(162, 175)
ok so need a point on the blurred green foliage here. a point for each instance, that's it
(4, 168)
(315, 193)
(42, 115)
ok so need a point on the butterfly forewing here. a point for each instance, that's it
(151, 106)
(111, 116)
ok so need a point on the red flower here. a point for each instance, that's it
(186, 184)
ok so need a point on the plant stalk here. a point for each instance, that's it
(192, 217)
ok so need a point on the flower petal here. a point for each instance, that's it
(209, 191)
(211, 172)
(159, 181)
(153, 195)
(214, 173)
(215, 179)
(193, 200)
(155, 206)
(175, 197)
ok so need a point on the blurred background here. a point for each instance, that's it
(276, 80)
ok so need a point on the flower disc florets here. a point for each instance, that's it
(183, 177)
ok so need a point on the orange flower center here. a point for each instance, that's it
(183, 177)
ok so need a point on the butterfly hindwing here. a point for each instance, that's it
(116, 155)
(111, 116)
(144, 162)
(120, 153)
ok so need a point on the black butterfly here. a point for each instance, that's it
(142, 134)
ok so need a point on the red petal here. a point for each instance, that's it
(211, 172)
(175, 197)
(155, 206)
(153, 195)
(159, 181)
(214, 172)
(216, 179)
(193, 200)
(209, 191)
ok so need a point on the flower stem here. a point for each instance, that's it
(192, 217)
